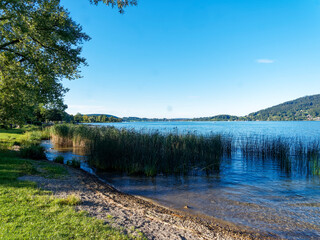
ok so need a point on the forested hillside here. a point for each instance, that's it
(305, 108)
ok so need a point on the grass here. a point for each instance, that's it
(48, 170)
(11, 136)
(71, 200)
(27, 212)
(26, 136)
(59, 159)
(33, 151)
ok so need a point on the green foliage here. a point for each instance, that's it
(25, 136)
(218, 118)
(59, 159)
(147, 153)
(75, 163)
(95, 118)
(50, 113)
(35, 152)
(39, 47)
(301, 109)
(120, 4)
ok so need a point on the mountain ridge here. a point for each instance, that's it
(305, 108)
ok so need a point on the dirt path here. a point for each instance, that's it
(134, 215)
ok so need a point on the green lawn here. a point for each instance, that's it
(26, 212)
(9, 137)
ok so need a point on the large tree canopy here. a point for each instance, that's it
(39, 46)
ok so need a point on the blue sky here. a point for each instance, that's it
(191, 58)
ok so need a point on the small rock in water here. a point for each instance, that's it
(186, 207)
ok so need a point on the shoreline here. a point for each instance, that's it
(136, 215)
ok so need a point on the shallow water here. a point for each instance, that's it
(279, 197)
(68, 154)
(256, 194)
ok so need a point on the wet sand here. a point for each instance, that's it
(134, 214)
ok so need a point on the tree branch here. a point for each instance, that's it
(23, 57)
(3, 46)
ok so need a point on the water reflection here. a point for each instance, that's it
(52, 151)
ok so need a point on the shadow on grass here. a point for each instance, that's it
(12, 167)
(12, 131)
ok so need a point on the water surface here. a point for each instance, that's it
(279, 197)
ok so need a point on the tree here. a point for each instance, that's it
(85, 118)
(39, 46)
(78, 118)
(120, 4)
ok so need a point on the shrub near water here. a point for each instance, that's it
(35, 152)
(59, 159)
(74, 163)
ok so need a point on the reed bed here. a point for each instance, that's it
(69, 135)
(265, 147)
(151, 153)
(260, 146)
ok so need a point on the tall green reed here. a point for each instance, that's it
(146, 153)
(152, 152)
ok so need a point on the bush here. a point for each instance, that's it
(74, 163)
(35, 152)
(58, 159)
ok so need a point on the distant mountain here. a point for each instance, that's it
(97, 114)
(301, 109)
(137, 119)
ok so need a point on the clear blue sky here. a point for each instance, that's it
(191, 58)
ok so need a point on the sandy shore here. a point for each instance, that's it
(133, 215)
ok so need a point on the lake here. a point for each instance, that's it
(279, 197)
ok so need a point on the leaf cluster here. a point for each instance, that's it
(39, 46)
(120, 4)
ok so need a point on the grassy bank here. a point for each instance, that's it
(26, 136)
(144, 153)
(26, 212)
(29, 213)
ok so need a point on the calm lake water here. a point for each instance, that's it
(279, 197)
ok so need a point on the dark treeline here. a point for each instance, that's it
(47, 115)
(95, 118)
